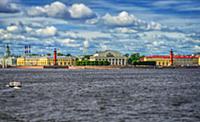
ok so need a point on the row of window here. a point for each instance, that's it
(64, 60)
(110, 60)
(163, 63)
(64, 63)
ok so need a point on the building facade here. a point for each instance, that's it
(8, 60)
(46, 61)
(114, 57)
(178, 60)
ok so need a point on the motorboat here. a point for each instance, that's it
(14, 84)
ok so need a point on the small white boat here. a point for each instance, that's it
(14, 84)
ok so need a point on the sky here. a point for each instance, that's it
(149, 27)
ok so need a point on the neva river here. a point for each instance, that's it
(120, 95)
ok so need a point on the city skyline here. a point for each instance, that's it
(145, 26)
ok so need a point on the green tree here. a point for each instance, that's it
(100, 63)
(34, 54)
(134, 58)
(60, 54)
(92, 63)
(48, 54)
(127, 55)
(68, 54)
(106, 63)
(86, 57)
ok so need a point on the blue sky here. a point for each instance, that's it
(86, 26)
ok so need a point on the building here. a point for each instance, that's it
(8, 60)
(178, 60)
(114, 57)
(173, 60)
(46, 61)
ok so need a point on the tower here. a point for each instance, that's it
(7, 53)
(55, 57)
(171, 57)
(27, 50)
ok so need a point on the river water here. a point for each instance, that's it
(118, 95)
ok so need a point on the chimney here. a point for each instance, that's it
(55, 57)
(171, 57)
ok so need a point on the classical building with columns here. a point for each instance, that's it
(114, 57)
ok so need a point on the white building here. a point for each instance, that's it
(8, 60)
(114, 57)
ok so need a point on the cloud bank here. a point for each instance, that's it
(60, 10)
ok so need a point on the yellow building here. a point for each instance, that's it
(199, 60)
(46, 61)
(160, 60)
(178, 60)
(63, 61)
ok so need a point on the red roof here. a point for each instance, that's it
(175, 56)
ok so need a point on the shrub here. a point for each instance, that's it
(92, 63)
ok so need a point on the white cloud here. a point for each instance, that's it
(80, 11)
(28, 29)
(153, 35)
(86, 44)
(86, 34)
(103, 47)
(165, 40)
(48, 31)
(123, 30)
(153, 26)
(12, 28)
(68, 42)
(196, 48)
(2, 31)
(60, 10)
(124, 19)
(12, 37)
(55, 9)
(92, 21)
